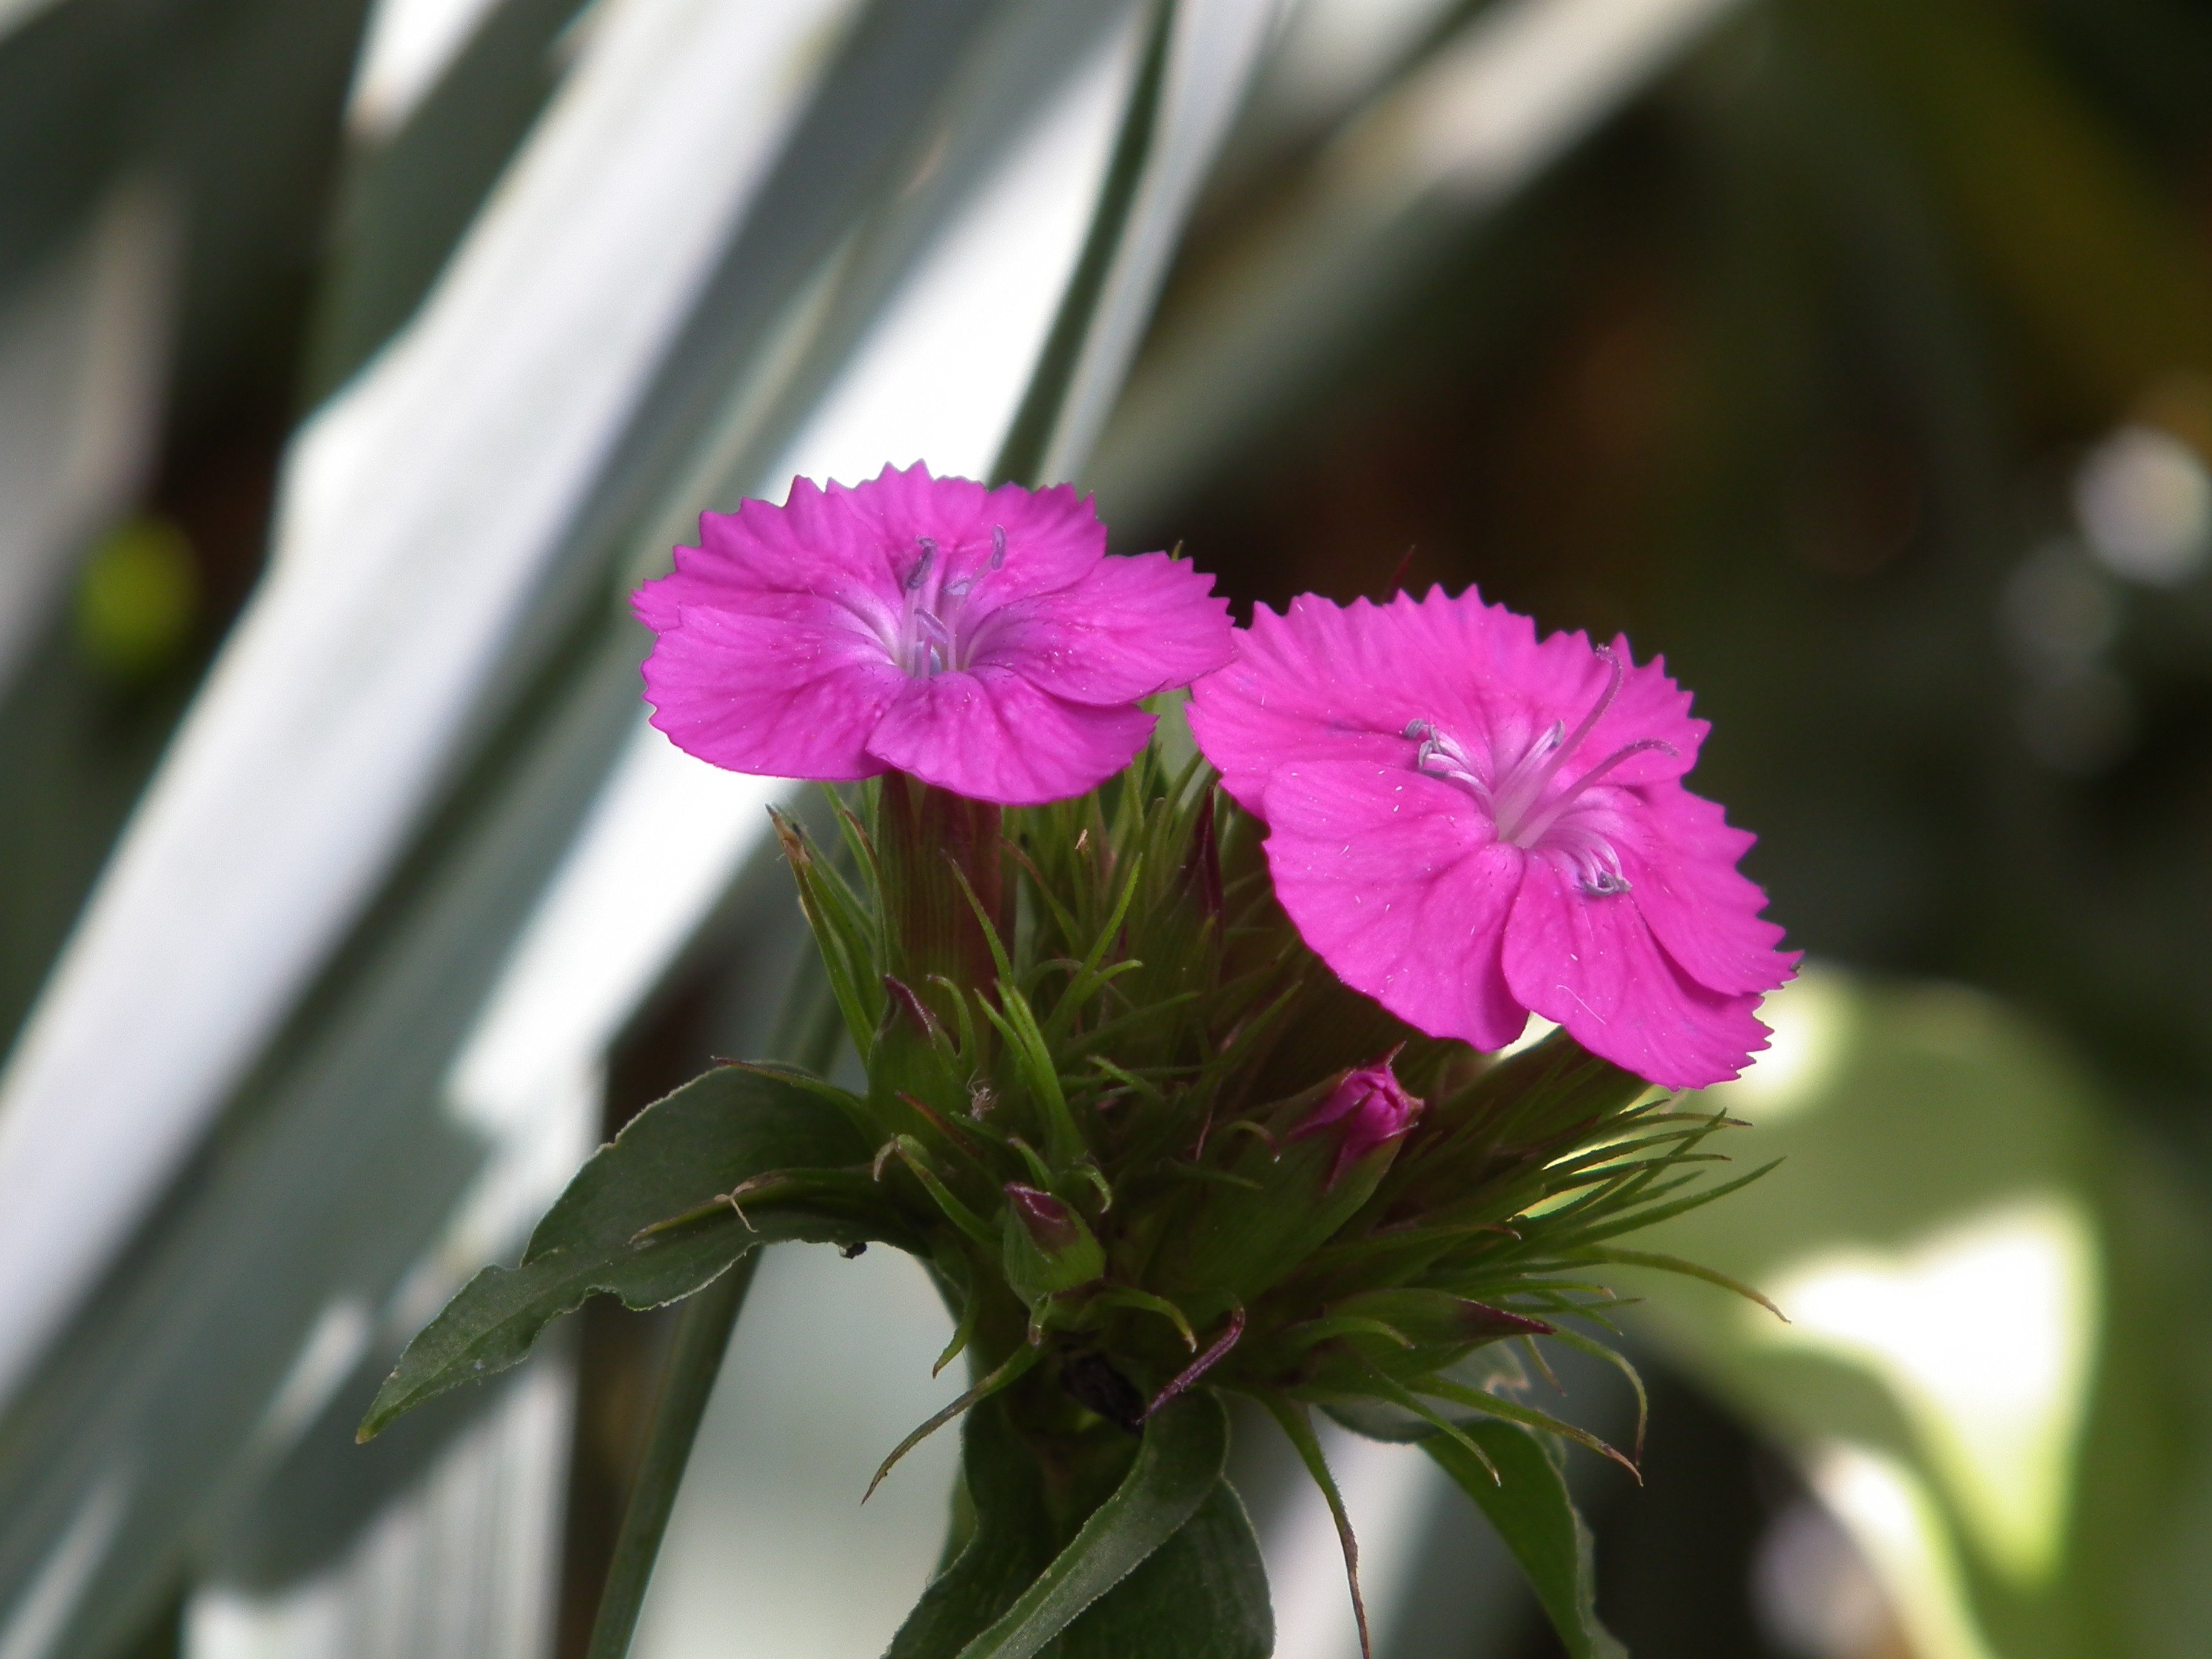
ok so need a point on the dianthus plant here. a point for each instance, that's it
(1192, 1076)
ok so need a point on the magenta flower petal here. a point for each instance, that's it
(772, 695)
(994, 736)
(978, 638)
(1402, 890)
(1524, 685)
(1703, 910)
(1343, 682)
(814, 544)
(1130, 628)
(1313, 684)
(1053, 536)
(1595, 968)
(1503, 829)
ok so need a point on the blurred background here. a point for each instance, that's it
(356, 360)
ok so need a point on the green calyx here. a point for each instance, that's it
(1146, 1143)
(1285, 1195)
(1099, 1089)
(1047, 1249)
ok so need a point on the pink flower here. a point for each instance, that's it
(1468, 824)
(1370, 1109)
(977, 639)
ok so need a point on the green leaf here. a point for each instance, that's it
(1011, 1542)
(1007, 1585)
(1529, 1504)
(1177, 1468)
(1202, 1594)
(715, 1133)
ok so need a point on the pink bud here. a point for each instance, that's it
(1370, 1109)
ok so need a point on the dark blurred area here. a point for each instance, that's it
(1813, 373)
(1865, 373)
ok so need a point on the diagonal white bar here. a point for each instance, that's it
(419, 509)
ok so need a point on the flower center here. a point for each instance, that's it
(934, 631)
(1531, 808)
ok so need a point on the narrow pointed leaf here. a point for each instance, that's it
(1202, 1594)
(1177, 1468)
(1529, 1504)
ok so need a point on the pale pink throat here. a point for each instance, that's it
(1520, 794)
(933, 630)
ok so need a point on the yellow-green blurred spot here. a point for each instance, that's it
(139, 598)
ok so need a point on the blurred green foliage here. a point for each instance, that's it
(139, 598)
(1983, 1268)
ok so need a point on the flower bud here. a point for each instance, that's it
(1330, 1148)
(1047, 1247)
(1369, 1110)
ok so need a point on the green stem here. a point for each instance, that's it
(703, 1332)
(931, 840)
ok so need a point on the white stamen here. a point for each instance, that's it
(1525, 808)
(920, 574)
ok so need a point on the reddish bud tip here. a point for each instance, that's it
(903, 1000)
(1046, 1248)
(1370, 1109)
(1052, 1226)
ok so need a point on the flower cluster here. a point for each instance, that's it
(1468, 822)
(1181, 1096)
(1181, 1081)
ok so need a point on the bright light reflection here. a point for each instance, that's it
(2145, 502)
(1811, 1020)
(770, 1554)
(1515, 87)
(1333, 50)
(1984, 1335)
(407, 47)
(945, 367)
(1533, 1033)
(667, 834)
(37, 1619)
(1886, 1509)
